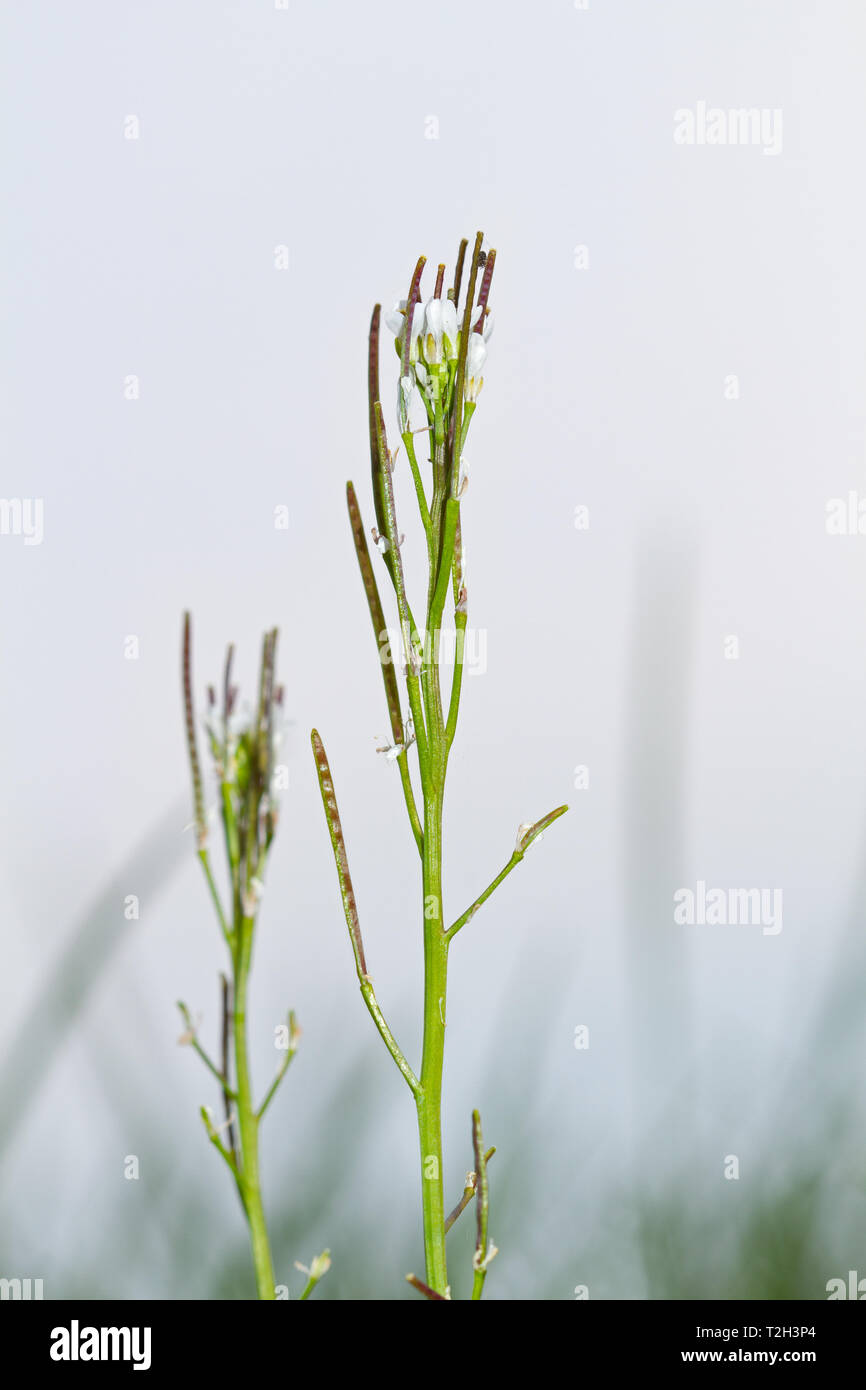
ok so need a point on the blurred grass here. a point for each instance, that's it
(80, 965)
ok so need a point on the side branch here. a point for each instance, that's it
(190, 1039)
(525, 837)
(291, 1050)
(468, 1194)
(389, 674)
(484, 1251)
(347, 893)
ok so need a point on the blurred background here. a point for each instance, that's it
(204, 202)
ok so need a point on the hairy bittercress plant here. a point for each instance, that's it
(441, 362)
(243, 760)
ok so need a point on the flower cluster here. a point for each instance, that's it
(434, 351)
(244, 758)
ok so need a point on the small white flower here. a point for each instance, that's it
(250, 898)
(476, 356)
(396, 318)
(433, 332)
(449, 329)
(440, 331)
(396, 321)
(483, 322)
(392, 751)
(416, 331)
(319, 1267)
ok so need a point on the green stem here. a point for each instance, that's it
(215, 897)
(491, 888)
(457, 677)
(248, 1123)
(429, 1100)
(483, 1251)
(409, 445)
(409, 798)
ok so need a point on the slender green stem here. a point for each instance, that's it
(468, 1193)
(409, 798)
(529, 833)
(350, 909)
(218, 1144)
(449, 531)
(386, 660)
(215, 897)
(409, 445)
(483, 1251)
(248, 1122)
(407, 622)
(429, 1100)
(491, 888)
(192, 1038)
(457, 678)
(318, 1269)
(387, 1036)
(291, 1051)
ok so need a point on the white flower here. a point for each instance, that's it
(449, 328)
(392, 751)
(417, 330)
(407, 386)
(396, 318)
(476, 356)
(440, 331)
(433, 332)
(251, 896)
(396, 321)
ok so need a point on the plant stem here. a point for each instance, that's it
(248, 1123)
(429, 1101)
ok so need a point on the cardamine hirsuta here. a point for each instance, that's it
(441, 346)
